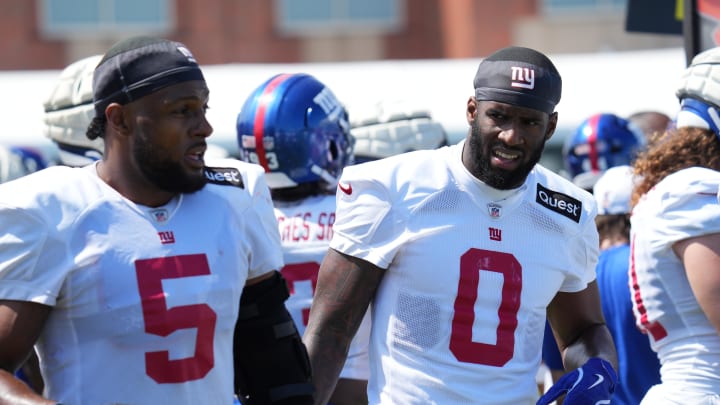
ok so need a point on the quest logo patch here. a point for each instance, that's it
(224, 176)
(561, 203)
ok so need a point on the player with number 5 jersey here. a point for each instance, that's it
(461, 252)
(133, 277)
(167, 308)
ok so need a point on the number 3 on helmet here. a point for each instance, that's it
(295, 128)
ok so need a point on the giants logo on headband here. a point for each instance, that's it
(187, 53)
(523, 77)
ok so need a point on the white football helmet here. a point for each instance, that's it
(68, 112)
(391, 128)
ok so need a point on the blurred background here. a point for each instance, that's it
(618, 56)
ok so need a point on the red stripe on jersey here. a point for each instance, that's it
(259, 124)
(656, 330)
(592, 142)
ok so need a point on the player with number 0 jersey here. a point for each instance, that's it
(477, 304)
(460, 252)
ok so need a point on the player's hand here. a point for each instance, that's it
(591, 384)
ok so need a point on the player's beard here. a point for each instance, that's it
(498, 178)
(160, 170)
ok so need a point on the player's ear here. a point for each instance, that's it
(552, 124)
(471, 111)
(116, 118)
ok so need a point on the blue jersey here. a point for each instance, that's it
(639, 368)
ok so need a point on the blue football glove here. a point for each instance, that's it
(591, 384)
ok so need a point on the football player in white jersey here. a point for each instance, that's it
(16, 162)
(461, 252)
(294, 126)
(675, 243)
(127, 273)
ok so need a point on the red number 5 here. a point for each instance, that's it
(159, 320)
(461, 344)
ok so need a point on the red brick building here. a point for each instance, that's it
(48, 34)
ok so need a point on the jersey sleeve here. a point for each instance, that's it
(265, 250)
(583, 247)
(691, 210)
(28, 258)
(582, 241)
(262, 204)
(585, 256)
(262, 231)
(365, 225)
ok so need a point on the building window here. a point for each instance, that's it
(312, 17)
(584, 6)
(63, 18)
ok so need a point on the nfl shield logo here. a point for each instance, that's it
(159, 215)
(494, 210)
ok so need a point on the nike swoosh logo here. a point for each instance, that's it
(345, 189)
(600, 379)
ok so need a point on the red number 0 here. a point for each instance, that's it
(159, 320)
(461, 344)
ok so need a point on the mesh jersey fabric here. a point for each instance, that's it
(151, 294)
(459, 315)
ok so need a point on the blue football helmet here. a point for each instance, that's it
(602, 141)
(17, 161)
(295, 128)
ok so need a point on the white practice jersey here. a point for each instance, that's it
(306, 228)
(683, 205)
(460, 314)
(144, 299)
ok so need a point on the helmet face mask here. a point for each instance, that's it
(295, 128)
(602, 141)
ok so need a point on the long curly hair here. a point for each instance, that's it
(673, 151)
